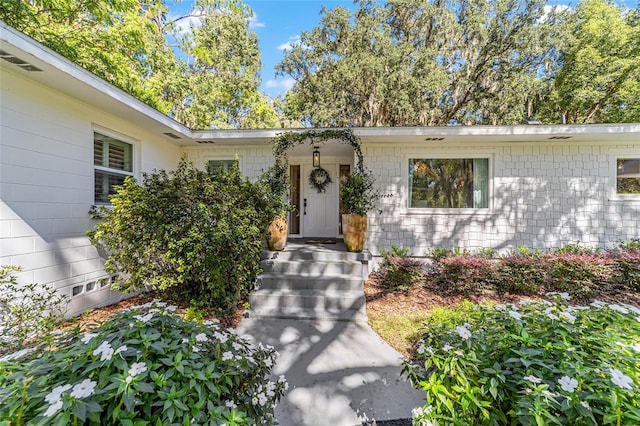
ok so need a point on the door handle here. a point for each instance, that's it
(305, 206)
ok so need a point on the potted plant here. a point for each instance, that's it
(276, 186)
(358, 197)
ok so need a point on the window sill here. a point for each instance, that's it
(448, 212)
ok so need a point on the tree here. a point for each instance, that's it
(421, 62)
(598, 79)
(212, 83)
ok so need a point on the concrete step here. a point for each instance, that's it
(281, 281)
(359, 315)
(307, 299)
(313, 268)
(315, 254)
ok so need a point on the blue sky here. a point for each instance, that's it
(280, 22)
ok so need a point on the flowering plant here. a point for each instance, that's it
(544, 362)
(143, 366)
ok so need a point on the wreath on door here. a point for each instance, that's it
(319, 178)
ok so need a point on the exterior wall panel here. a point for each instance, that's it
(46, 185)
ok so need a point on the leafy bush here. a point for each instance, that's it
(538, 363)
(143, 366)
(463, 274)
(628, 268)
(195, 236)
(26, 311)
(399, 271)
(583, 275)
(520, 274)
(633, 244)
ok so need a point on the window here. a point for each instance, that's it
(113, 162)
(220, 166)
(450, 183)
(628, 176)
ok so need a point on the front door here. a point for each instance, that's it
(320, 210)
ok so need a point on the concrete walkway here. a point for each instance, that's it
(340, 373)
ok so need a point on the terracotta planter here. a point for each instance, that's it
(277, 235)
(354, 231)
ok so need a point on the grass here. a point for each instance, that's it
(399, 330)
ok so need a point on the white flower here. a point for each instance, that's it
(421, 411)
(463, 332)
(129, 379)
(222, 337)
(171, 308)
(598, 304)
(104, 350)
(618, 308)
(85, 339)
(632, 308)
(268, 362)
(227, 356)
(585, 404)
(636, 347)
(620, 379)
(568, 316)
(16, 355)
(83, 389)
(230, 404)
(137, 368)
(564, 296)
(237, 346)
(459, 353)
(500, 307)
(568, 384)
(53, 408)
(533, 379)
(143, 318)
(56, 393)
(552, 316)
(201, 337)
(121, 349)
(447, 347)
(515, 315)
(195, 348)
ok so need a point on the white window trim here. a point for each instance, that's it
(423, 211)
(135, 145)
(613, 175)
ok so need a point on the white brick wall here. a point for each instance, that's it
(46, 185)
(544, 196)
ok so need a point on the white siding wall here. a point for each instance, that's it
(46, 185)
(253, 158)
(543, 196)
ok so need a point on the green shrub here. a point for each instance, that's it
(520, 274)
(633, 244)
(577, 249)
(463, 274)
(193, 235)
(628, 269)
(400, 272)
(438, 253)
(26, 310)
(143, 366)
(534, 364)
(583, 275)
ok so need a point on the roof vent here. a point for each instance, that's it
(17, 61)
(560, 137)
(171, 135)
(209, 142)
(434, 139)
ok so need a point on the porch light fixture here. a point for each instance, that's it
(316, 157)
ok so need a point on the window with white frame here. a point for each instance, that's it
(113, 162)
(220, 166)
(450, 183)
(628, 176)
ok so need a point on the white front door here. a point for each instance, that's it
(319, 210)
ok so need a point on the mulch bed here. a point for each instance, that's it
(430, 296)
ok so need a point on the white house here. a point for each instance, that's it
(66, 137)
